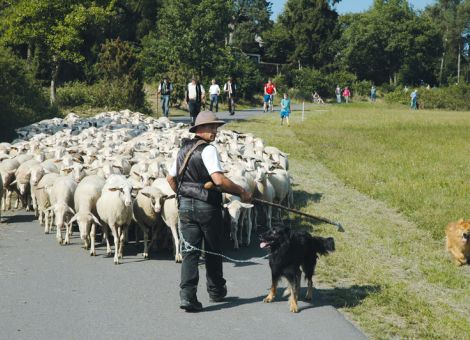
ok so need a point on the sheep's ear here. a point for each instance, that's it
(117, 167)
(270, 172)
(113, 189)
(95, 219)
(14, 182)
(146, 194)
(57, 161)
(136, 173)
(70, 210)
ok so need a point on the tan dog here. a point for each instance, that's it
(458, 241)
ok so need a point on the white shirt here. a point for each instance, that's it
(214, 89)
(210, 158)
(192, 91)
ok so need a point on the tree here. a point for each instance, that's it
(56, 27)
(250, 18)
(453, 19)
(21, 99)
(306, 30)
(390, 42)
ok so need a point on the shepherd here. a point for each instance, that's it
(200, 209)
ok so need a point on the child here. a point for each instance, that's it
(285, 109)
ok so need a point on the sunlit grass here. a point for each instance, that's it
(394, 178)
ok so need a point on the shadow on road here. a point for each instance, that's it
(18, 218)
(231, 302)
(340, 297)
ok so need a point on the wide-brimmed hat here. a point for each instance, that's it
(205, 118)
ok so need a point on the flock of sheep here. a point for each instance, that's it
(109, 170)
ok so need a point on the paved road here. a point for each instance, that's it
(48, 291)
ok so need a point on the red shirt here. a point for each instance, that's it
(269, 89)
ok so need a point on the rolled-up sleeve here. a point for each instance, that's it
(211, 160)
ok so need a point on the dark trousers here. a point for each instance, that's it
(194, 109)
(231, 105)
(214, 100)
(201, 221)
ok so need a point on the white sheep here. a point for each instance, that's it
(8, 168)
(146, 208)
(61, 198)
(42, 193)
(86, 195)
(265, 191)
(170, 213)
(115, 210)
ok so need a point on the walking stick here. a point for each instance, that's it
(211, 186)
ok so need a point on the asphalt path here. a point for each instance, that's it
(49, 291)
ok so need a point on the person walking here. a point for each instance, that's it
(414, 99)
(338, 94)
(164, 89)
(269, 90)
(230, 88)
(346, 94)
(285, 109)
(373, 94)
(195, 95)
(200, 210)
(214, 92)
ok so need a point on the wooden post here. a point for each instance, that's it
(303, 110)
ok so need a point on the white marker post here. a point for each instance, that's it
(303, 110)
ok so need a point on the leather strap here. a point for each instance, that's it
(186, 161)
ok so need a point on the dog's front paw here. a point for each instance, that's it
(294, 308)
(268, 298)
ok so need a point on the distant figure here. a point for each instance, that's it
(230, 88)
(195, 95)
(414, 100)
(373, 94)
(338, 94)
(285, 109)
(269, 90)
(346, 94)
(317, 99)
(164, 89)
(405, 89)
(214, 92)
(428, 87)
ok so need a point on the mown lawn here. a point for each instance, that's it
(394, 178)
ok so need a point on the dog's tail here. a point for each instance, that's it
(322, 245)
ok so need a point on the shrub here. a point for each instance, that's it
(74, 94)
(454, 97)
(22, 100)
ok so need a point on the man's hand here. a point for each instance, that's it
(246, 196)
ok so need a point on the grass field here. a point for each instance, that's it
(394, 178)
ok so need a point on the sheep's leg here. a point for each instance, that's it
(92, 239)
(8, 200)
(269, 211)
(174, 232)
(241, 226)
(46, 222)
(249, 226)
(40, 217)
(116, 243)
(123, 231)
(146, 242)
(106, 238)
(35, 204)
(234, 232)
(68, 226)
(58, 234)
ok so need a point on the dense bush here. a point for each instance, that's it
(454, 97)
(22, 101)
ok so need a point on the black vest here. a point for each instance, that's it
(193, 179)
(167, 91)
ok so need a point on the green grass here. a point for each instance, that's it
(394, 178)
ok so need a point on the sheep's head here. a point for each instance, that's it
(84, 221)
(125, 193)
(157, 202)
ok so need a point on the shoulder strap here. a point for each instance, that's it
(186, 161)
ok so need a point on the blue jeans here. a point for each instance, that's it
(214, 100)
(201, 221)
(166, 104)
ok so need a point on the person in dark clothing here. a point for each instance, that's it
(195, 96)
(164, 89)
(230, 88)
(200, 210)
